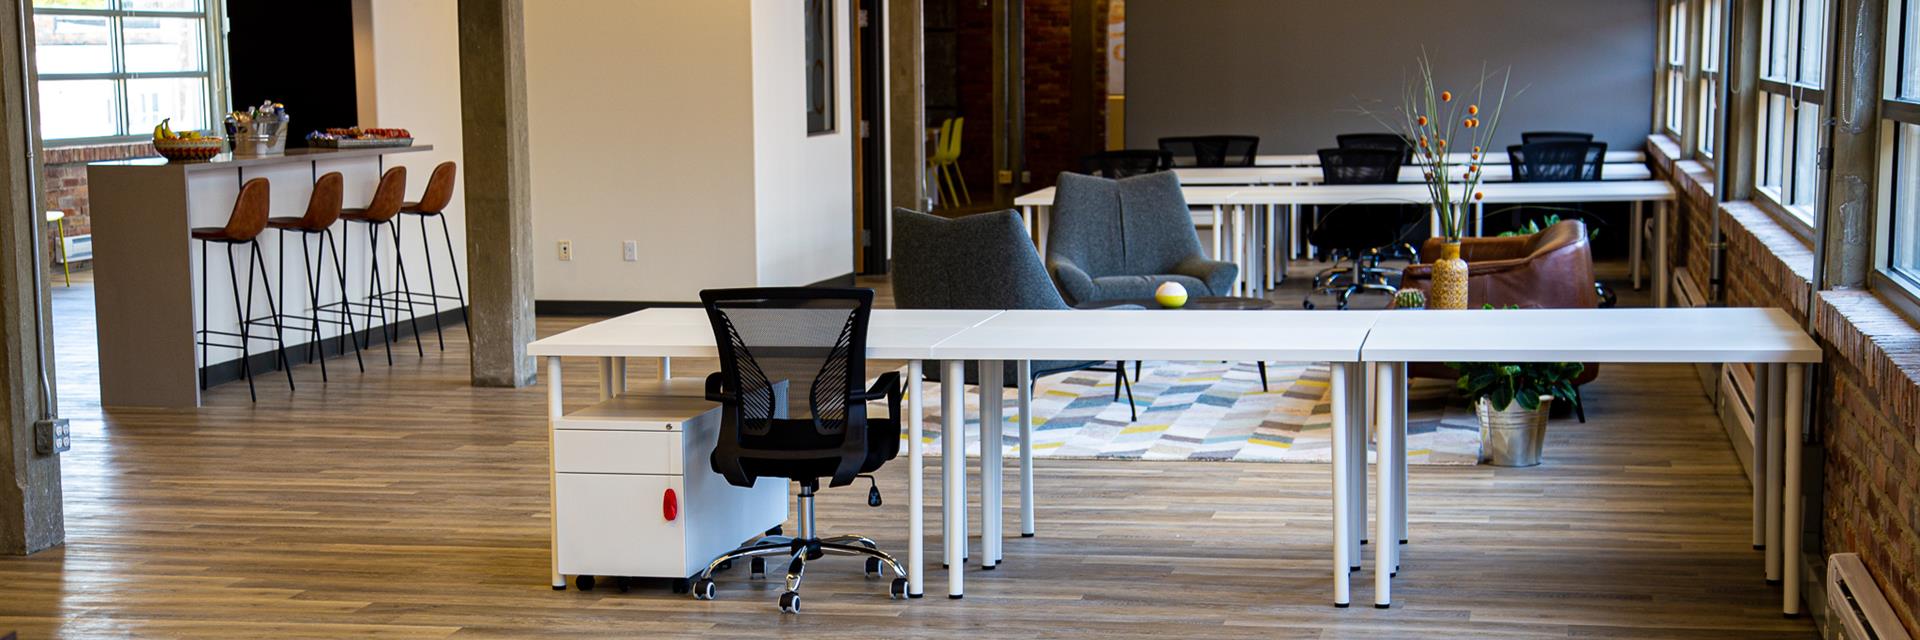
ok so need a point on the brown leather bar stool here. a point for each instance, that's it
(379, 213)
(249, 218)
(433, 203)
(323, 208)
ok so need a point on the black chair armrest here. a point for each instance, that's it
(714, 393)
(886, 386)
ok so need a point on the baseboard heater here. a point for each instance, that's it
(78, 249)
(1856, 609)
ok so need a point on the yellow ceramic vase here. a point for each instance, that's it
(1449, 279)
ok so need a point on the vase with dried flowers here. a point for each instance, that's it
(1438, 125)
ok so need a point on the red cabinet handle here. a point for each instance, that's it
(670, 505)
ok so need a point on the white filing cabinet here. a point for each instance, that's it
(635, 495)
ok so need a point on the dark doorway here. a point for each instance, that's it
(295, 53)
(870, 151)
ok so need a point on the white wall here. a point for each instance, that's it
(803, 185)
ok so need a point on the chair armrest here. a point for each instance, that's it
(885, 386)
(714, 392)
(1217, 274)
(1074, 283)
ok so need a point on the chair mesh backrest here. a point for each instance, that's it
(1360, 166)
(1530, 137)
(1388, 141)
(813, 339)
(1557, 161)
(1211, 151)
(1126, 163)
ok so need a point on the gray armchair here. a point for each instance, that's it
(1120, 239)
(981, 261)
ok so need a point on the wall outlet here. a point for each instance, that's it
(1004, 176)
(566, 250)
(630, 250)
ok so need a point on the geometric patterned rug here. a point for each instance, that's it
(1209, 411)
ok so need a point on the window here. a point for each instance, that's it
(112, 69)
(1901, 158)
(1709, 75)
(1792, 63)
(1676, 108)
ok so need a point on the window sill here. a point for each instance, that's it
(99, 152)
(1784, 217)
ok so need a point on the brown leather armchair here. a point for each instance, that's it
(1552, 269)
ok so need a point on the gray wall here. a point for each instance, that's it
(1295, 72)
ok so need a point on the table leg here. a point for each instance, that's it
(1042, 219)
(1660, 267)
(555, 411)
(1758, 478)
(1342, 481)
(1776, 393)
(1385, 552)
(953, 464)
(1359, 400)
(619, 376)
(1293, 232)
(1397, 424)
(606, 378)
(1635, 237)
(666, 368)
(916, 482)
(1024, 387)
(1790, 522)
(992, 428)
(1267, 243)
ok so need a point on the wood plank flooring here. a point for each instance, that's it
(403, 503)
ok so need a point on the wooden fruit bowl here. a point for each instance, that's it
(195, 149)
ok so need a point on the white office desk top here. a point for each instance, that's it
(684, 333)
(1703, 335)
(1199, 196)
(1496, 193)
(1493, 157)
(1285, 336)
(1311, 175)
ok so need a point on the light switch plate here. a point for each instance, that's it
(566, 250)
(630, 250)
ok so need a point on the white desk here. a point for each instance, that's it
(1768, 337)
(1022, 336)
(1493, 157)
(667, 333)
(1257, 175)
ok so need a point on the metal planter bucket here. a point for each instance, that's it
(1514, 437)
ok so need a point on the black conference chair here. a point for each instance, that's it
(1211, 151)
(1568, 161)
(1388, 141)
(1530, 137)
(773, 340)
(1359, 233)
(1126, 163)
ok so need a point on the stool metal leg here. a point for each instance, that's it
(246, 365)
(279, 331)
(352, 335)
(405, 290)
(433, 288)
(313, 297)
(374, 291)
(459, 290)
(204, 317)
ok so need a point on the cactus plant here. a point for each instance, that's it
(1409, 299)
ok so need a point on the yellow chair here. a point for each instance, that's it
(58, 218)
(952, 153)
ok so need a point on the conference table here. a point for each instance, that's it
(1367, 352)
(1258, 175)
(1493, 158)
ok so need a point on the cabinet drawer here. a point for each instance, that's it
(614, 525)
(641, 452)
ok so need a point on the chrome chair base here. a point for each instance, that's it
(799, 550)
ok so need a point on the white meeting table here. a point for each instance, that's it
(1765, 337)
(1493, 157)
(1228, 176)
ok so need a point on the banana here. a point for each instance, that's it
(160, 130)
(168, 130)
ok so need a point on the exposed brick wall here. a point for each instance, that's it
(1867, 392)
(65, 187)
(1048, 91)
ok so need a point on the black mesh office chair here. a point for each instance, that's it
(1568, 161)
(1211, 151)
(1358, 232)
(1530, 137)
(779, 339)
(1388, 141)
(1125, 163)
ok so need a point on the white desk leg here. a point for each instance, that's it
(1385, 552)
(1635, 237)
(619, 376)
(1217, 253)
(1790, 522)
(1024, 387)
(1479, 218)
(1397, 425)
(992, 468)
(606, 378)
(1343, 557)
(666, 368)
(1042, 218)
(1660, 266)
(953, 464)
(1775, 397)
(1359, 401)
(1293, 232)
(1267, 241)
(916, 483)
(1758, 478)
(554, 412)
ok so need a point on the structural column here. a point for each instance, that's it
(493, 100)
(30, 516)
(906, 105)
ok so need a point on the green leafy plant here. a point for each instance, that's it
(1503, 383)
(1537, 225)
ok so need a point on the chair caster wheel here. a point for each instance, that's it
(1308, 305)
(757, 569)
(898, 590)
(724, 565)
(583, 583)
(873, 567)
(790, 602)
(702, 589)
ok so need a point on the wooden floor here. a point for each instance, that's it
(404, 503)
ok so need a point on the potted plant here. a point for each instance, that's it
(1512, 401)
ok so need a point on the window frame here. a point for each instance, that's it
(1711, 78)
(213, 44)
(1674, 62)
(1792, 198)
(1900, 289)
